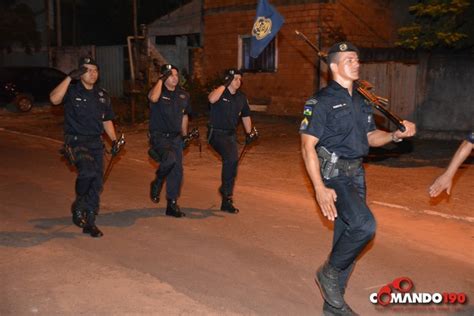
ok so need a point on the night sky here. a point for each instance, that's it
(109, 22)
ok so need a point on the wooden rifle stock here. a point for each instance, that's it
(363, 88)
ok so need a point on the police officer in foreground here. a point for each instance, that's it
(87, 114)
(336, 132)
(169, 109)
(228, 105)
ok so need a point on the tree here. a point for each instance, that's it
(17, 25)
(437, 23)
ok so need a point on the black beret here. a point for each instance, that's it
(87, 61)
(343, 47)
(167, 67)
(233, 72)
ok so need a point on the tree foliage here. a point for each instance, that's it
(18, 26)
(437, 23)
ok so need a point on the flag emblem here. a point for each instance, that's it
(262, 27)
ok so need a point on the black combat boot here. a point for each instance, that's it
(172, 209)
(327, 278)
(78, 215)
(91, 228)
(228, 205)
(346, 310)
(155, 190)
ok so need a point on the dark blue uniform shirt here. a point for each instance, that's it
(340, 121)
(167, 113)
(225, 113)
(85, 110)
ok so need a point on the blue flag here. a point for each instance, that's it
(267, 24)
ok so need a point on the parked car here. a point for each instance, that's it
(23, 86)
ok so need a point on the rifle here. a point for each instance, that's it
(363, 88)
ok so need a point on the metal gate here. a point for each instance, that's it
(111, 61)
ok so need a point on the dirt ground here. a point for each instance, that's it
(259, 262)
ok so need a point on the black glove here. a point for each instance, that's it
(252, 136)
(249, 139)
(228, 80)
(166, 71)
(77, 73)
(115, 148)
(165, 76)
(117, 145)
(186, 140)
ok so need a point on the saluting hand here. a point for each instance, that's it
(77, 73)
(228, 80)
(326, 198)
(165, 75)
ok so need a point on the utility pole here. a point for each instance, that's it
(59, 41)
(135, 57)
(74, 23)
(47, 5)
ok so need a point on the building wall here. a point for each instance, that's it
(296, 78)
(447, 102)
(178, 54)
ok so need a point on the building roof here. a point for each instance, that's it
(184, 20)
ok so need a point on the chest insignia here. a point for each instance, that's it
(182, 96)
(339, 105)
(369, 118)
(166, 98)
(101, 93)
(226, 100)
(102, 100)
(78, 99)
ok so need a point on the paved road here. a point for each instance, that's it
(259, 262)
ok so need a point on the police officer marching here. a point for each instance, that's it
(169, 110)
(228, 105)
(87, 114)
(336, 133)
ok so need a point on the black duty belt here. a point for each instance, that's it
(165, 134)
(81, 138)
(223, 131)
(348, 165)
(341, 164)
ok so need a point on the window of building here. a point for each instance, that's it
(267, 61)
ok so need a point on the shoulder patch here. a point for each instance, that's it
(308, 110)
(304, 124)
(311, 101)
